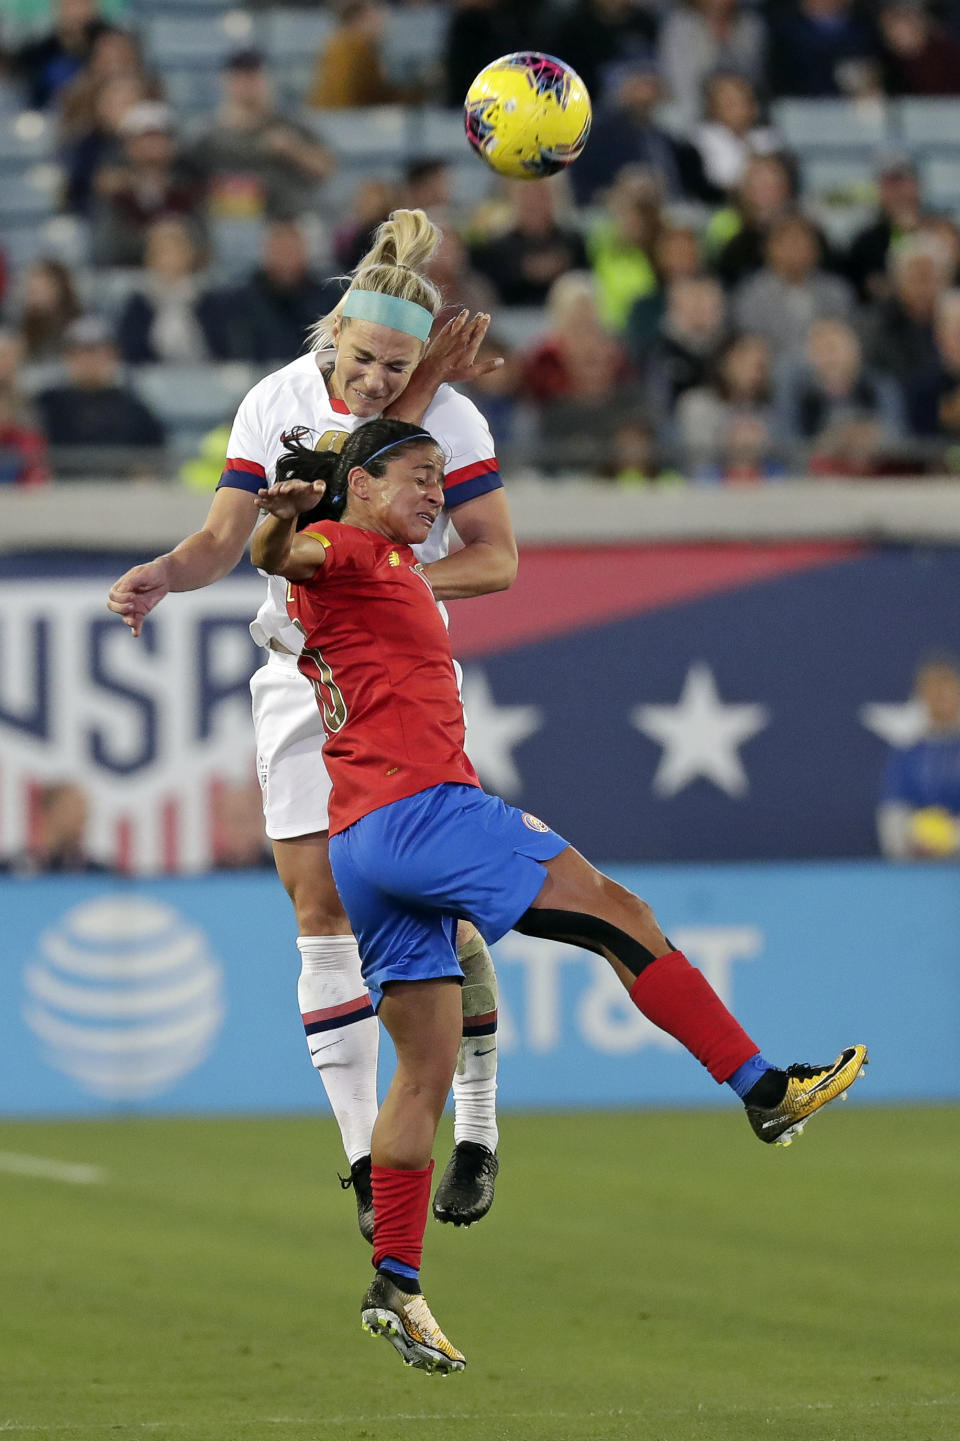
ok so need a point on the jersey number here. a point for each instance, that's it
(333, 707)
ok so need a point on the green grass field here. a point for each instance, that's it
(655, 1275)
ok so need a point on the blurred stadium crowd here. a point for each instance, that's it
(752, 272)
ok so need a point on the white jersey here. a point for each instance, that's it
(296, 399)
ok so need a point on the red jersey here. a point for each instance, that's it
(377, 653)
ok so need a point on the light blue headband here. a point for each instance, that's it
(389, 310)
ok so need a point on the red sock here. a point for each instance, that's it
(400, 1202)
(678, 998)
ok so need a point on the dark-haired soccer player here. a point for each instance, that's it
(415, 842)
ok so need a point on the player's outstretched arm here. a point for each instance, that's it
(277, 547)
(450, 357)
(488, 560)
(198, 561)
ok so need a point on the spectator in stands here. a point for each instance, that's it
(685, 351)
(267, 318)
(370, 206)
(783, 299)
(899, 214)
(428, 186)
(60, 834)
(238, 840)
(920, 56)
(577, 358)
(676, 256)
(167, 317)
(349, 71)
(150, 182)
(634, 461)
(730, 133)
(93, 409)
(23, 449)
(595, 35)
(823, 48)
(99, 149)
(625, 132)
(831, 384)
(900, 329)
(49, 64)
(48, 306)
(737, 235)
(933, 398)
(461, 286)
(115, 55)
(739, 385)
(918, 817)
(622, 245)
(483, 30)
(254, 160)
(749, 454)
(703, 37)
(495, 395)
(524, 259)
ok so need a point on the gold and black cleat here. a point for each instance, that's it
(408, 1324)
(808, 1089)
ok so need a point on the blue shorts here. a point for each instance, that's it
(407, 872)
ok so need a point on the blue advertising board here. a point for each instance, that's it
(179, 995)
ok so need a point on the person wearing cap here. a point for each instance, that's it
(151, 181)
(255, 161)
(92, 411)
(369, 357)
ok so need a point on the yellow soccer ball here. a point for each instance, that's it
(528, 115)
(935, 830)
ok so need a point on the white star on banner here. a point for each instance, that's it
(898, 725)
(700, 735)
(493, 731)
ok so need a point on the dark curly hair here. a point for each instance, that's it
(370, 446)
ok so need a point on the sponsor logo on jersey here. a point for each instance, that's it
(533, 823)
(394, 558)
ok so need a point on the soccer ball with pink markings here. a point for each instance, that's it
(528, 115)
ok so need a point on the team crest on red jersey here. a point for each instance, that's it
(533, 823)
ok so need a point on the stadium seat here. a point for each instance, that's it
(196, 42)
(518, 325)
(26, 139)
(61, 237)
(832, 124)
(30, 195)
(435, 131)
(112, 286)
(413, 42)
(929, 123)
(235, 245)
(191, 92)
(292, 37)
(192, 399)
(940, 178)
(367, 135)
(847, 178)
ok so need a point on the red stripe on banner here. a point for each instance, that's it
(249, 465)
(468, 472)
(563, 589)
(123, 846)
(345, 1008)
(169, 829)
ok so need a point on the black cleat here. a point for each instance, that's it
(359, 1179)
(465, 1192)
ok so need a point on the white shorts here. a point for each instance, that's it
(290, 736)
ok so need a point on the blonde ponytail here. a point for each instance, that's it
(401, 246)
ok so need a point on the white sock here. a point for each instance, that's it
(475, 1081)
(343, 1034)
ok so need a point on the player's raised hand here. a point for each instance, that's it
(136, 593)
(453, 351)
(290, 498)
